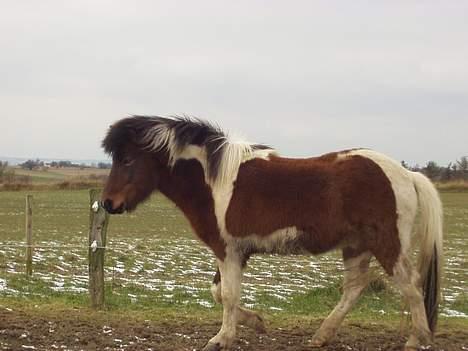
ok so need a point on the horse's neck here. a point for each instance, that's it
(185, 185)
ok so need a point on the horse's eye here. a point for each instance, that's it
(127, 161)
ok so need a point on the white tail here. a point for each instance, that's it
(430, 257)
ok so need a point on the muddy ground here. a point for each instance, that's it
(77, 330)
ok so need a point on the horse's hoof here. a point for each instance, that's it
(318, 341)
(260, 329)
(212, 347)
(425, 338)
(316, 344)
(260, 325)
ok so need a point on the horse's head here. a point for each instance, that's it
(135, 170)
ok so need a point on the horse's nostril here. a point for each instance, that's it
(107, 205)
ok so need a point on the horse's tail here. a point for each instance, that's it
(430, 256)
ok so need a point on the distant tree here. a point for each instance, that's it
(453, 171)
(7, 175)
(29, 164)
(462, 167)
(447, 173)
(462, 164)
(64, 164)
(3, 168)
(103, 165)
(432, 170)
(32, 164)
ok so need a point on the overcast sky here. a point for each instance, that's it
(307, 77)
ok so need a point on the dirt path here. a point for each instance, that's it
(78, 330)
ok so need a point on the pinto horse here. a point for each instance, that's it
(242, 199)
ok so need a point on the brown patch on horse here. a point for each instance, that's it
(331, 202)
(185, 185)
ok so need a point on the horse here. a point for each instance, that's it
(244, 198)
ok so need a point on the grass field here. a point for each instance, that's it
(154, 263)
(53, 175)
(46, 179)
(50, 176)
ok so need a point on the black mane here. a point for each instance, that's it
(186, 131)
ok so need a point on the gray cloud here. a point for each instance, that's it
(306, 77)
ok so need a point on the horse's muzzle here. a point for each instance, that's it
(108, 206)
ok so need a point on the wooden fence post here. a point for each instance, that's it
(98, 220)
(29, 241)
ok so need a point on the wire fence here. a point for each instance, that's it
(163, 263)
(54, 246)
(160, 261)
(188, 265)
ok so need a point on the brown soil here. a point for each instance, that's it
(80, 330)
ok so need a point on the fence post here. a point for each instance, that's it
(29, 241)
(98, 220)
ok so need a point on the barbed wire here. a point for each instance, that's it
(58, 246)
(372, 269)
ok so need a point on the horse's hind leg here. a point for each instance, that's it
(406, 278)
(355, 280)
(245, 317)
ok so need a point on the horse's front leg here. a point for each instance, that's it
(245, 317)
(231, 271)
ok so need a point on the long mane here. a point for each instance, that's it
(173, 135)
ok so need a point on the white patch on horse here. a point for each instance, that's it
(355, 280)
(231, 276)
(235, 153)
(281, 241)
(402, 184)
(194, 152)
(406, 279)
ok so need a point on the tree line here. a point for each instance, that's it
(454, 171)
(3, 169)
(7, 175)
(38, 164)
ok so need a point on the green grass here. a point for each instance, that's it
(453, 186)
(461, 302)
(53, 175)
(157, 235)
(38, 176)
(53, 179)
(318, 302)
(63, 214)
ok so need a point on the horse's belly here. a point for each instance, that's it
(287, 241)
